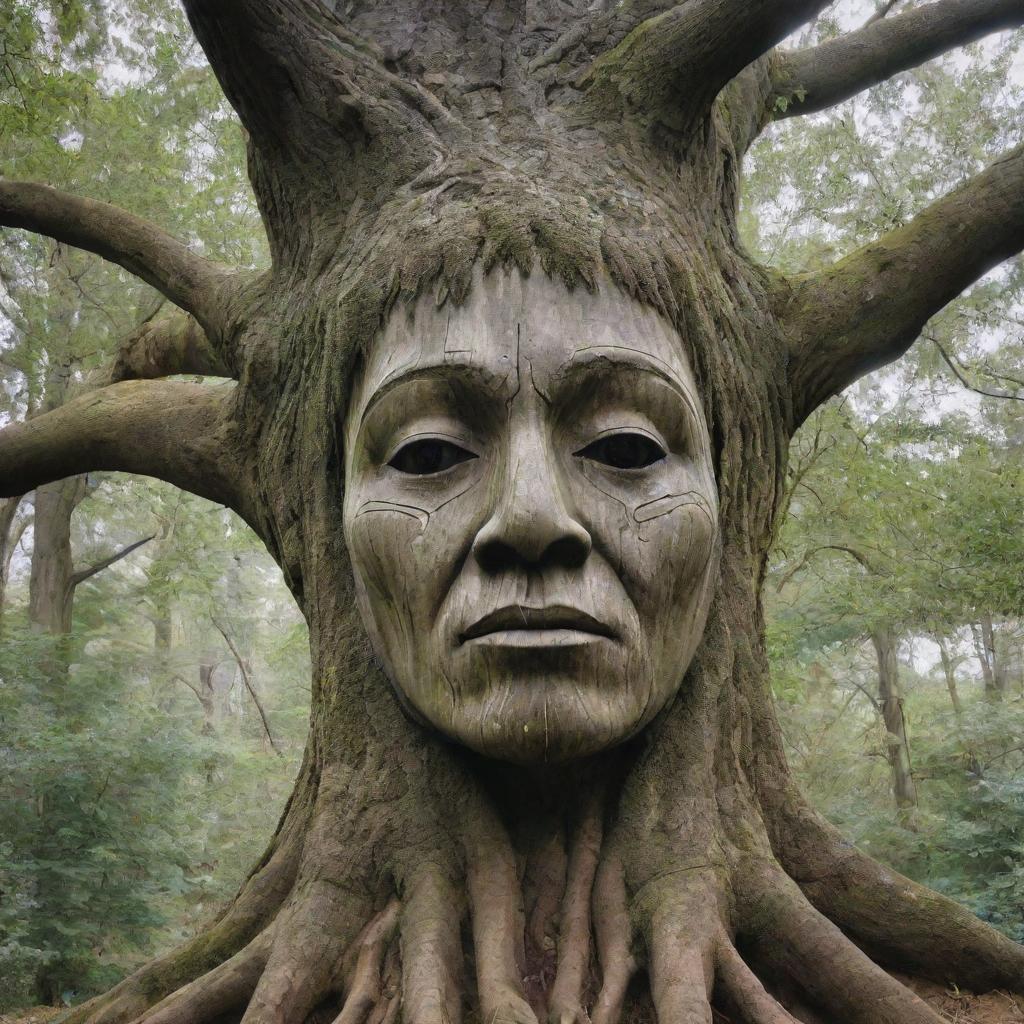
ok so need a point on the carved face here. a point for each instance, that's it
(531, 514)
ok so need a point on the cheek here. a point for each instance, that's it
(406, 552)
(665, 551)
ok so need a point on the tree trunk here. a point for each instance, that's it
(993, 671)
(51, 583)
(890, 700)
(950, 675)
(9, 537)
(418, 166)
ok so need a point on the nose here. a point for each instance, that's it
(531, 524)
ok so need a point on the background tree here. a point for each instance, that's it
(642, 85)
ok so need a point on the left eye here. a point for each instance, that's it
(431, 455)
(623, 451)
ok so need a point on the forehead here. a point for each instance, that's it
(511, 325)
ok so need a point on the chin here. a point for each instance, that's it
(545, 722)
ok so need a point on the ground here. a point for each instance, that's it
(954, 1006)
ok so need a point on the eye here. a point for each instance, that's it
(623, 451)
(430, 455)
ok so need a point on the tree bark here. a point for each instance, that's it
(890, 701)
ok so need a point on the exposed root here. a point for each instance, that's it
(431, 948)
(363, 988)
(223, 989)
(613, 933)
(680, 913)
(305, 962)
(899, 921)
(796, 942)
(743, 992)
(567, 993)
(495, 903)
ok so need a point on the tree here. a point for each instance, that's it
(393, 154)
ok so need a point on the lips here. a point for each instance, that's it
(520, 618)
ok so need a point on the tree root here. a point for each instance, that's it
(743, 992)
(495, 903)
(567, 993)
(796, 942)
(613, 933)
(898, 921)
(685, 886)
(364, 986)
(223, 989)
(431, 948)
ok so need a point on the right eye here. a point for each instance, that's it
(428, 456)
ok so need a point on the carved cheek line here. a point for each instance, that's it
(421, 515)
(669, 503)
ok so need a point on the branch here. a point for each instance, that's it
(672, 66)
(161, 348)
(963, 380)
(314, 97)
(867, 309)
(191, 282)
(81, 575)
(248, 685)
(195, 690)
(178, 432)
(810, 80)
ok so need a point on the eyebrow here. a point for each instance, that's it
(447, 372)
(471, 374)
(632, 359)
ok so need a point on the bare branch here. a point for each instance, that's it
(248, 685)
(179, 432)
(673, 65)
(191, 282)
(813, 79)
(195, 690)
(963, 380)
(81, 575)
(160, 348)
(867, 309)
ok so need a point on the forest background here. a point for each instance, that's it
(154, 670)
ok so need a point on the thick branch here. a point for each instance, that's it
(189, 281)
(813, 79)
(178, 432)
(673, 65)
(160, 348)
(81, 575)
(868, 308)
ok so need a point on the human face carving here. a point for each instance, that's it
(531, 514)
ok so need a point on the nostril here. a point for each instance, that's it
(570, 552)
(494, 556)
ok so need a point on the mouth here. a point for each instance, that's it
(522, 626)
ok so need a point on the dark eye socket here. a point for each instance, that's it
(431, 455)
(623, 451)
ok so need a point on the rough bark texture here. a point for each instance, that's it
(396, 147)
